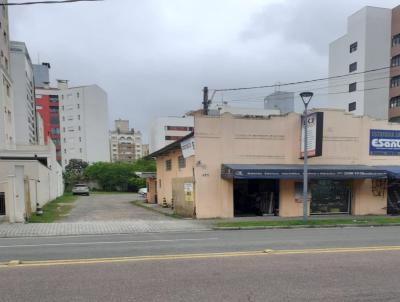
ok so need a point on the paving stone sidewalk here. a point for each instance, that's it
(98, 228)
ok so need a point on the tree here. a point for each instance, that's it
(74, 173)
(120, 176)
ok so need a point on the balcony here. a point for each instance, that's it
(394, 114)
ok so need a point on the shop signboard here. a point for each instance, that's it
(384, 142)
(187, 147)
(315, 125)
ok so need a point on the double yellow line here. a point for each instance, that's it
(18, 264)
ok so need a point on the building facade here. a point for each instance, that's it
(165, 130)
(24, 94)
(47, 105)
(280, 100)
(7, 126)
(237, 166)
(125, 143)
(83, 113)
(366, 54)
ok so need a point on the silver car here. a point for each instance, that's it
(80, 189)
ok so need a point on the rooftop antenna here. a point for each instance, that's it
(278, 86)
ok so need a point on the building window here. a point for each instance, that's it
(353, 67)
(179, 128)
(78, 106)
(159, 183)
(79, 117)
(6, 62)
(396, 40)
(168, 165)
(55, 131)
(79, 128)
(64, 129)
(352, 106)
(395, 81)
(395, 61)
(394, 102)
(53, 109)
(181, 162)
(80, 139)
(65, 151)
(353, 47)
(54, 120)
(77, 95)
(353, 87)
(80, 150)
(8, 89)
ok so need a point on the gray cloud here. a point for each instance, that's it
(153, 57)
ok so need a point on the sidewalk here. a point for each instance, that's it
(98, 228)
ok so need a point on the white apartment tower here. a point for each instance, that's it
(7, 128)
(366, 46)
(125, 143)
(83, 123)
(24, 95)
(166, 130)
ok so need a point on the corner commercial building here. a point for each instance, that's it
(237, 166)
(369, 55)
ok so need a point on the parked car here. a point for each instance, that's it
(80, 189)
(142, 191)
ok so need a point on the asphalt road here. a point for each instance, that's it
(363, 276)
(84, 247)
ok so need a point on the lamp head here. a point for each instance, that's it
(306, 97)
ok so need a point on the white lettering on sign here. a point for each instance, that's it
(385, 143)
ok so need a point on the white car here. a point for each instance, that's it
(80, 189)
(142, 191)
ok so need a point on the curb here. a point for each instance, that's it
(305, 226)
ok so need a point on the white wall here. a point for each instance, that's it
(84, 124)
(158, 130)
(370, 27)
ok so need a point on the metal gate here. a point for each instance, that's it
(2, 203)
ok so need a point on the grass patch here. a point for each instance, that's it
(55, 209)
(139, 203)
(367, 220)
(116, 192)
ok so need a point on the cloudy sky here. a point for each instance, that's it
(154, 56)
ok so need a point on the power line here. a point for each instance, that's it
(253, 98)
(46, 2)
(299, 82)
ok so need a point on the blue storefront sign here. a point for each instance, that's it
(384, 142)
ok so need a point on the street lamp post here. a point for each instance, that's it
(306, 98)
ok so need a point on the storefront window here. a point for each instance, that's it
(330, 197)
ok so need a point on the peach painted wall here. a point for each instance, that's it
(364, 201)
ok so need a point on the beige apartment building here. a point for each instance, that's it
(236, 166)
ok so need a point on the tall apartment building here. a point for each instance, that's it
(125, 143)
(366, 46)
(166, 130)
(7, 127)
(83, 115)
(24, 94)
(47, 105)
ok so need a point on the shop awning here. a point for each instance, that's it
(256, 171)
(391, 171)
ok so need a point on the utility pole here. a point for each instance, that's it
(206, 102)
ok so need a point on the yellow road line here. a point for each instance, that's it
(18, 264)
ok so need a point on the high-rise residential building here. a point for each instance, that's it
(42, 74)
(125, 143)
(7, 127)
(166, 130)
(363, 56)
(83, 113)
(145, 150)
(24, 94)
